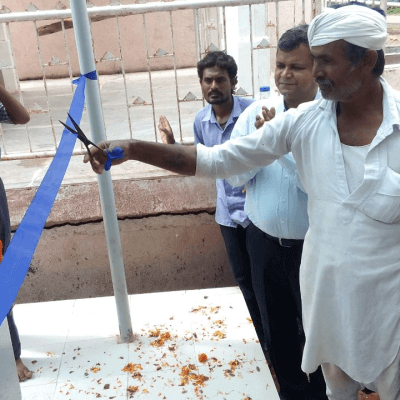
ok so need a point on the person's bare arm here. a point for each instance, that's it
(17, 112)
(178, 159)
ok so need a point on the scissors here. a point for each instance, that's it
(82, 136)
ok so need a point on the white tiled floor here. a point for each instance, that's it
(72, 347)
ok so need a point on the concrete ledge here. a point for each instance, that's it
(163, 251)
(135, 198)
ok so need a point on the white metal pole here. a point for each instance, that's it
(83, 40)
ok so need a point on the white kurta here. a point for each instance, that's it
(350, 271)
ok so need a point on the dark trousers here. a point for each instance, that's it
(275, 272)
(16, 344)
(236, 247)
(5, 236)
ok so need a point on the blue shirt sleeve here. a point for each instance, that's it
(198, 137)
(4, 116)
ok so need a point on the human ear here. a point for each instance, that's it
(234, 82)
(370, 59)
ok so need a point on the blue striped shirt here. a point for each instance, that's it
(207, 131)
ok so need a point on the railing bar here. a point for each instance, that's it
(197, 34)
(176, 76)
(38, 154)
(1, 128)
(150, 80)
(45, 86)
(128, 9)
(14, 66)
(98, 80)
(218, 30)
(225, 39)
(303, 12)
(207, 28)
(251, 51)
(124, 77)
(67, 54)
(277, 19)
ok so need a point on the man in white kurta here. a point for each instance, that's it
(347, 148)
(350, 272)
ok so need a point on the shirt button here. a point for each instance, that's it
(283, 200)
(286, 177)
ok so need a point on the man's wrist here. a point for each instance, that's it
(130, 149)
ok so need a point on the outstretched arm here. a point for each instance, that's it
(16, 111)
(178, 159)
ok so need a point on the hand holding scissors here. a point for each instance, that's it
(110, 155)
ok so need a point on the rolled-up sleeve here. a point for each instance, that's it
(240, 155)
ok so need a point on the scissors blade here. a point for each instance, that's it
(68, 127)
(81, 135)
(77, 127)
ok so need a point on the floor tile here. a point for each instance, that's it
(250, 381)
(162, 307)
(163, 385)
(93, 319)
(39, 392)
(156, 353)
(43, 323)
(210, 323)
(93, 359)
(44, 362)
(110, 387)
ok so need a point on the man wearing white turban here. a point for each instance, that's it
(346, 147)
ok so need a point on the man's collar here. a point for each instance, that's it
(236, 111)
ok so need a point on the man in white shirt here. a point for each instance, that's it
(350, 270)
(277, 209)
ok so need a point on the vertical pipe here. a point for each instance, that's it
(253, 89)
(149, 70)
(277, 19)
(197, 34)
(45, 89)
(225, 39)
(14, 66)
(176, 75)
(124, 77)
(95, 112)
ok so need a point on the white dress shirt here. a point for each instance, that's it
(275, 198)
(350, 271)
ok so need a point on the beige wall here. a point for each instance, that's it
(105, 35)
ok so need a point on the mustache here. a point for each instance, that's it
(324, 82)
(214, 92)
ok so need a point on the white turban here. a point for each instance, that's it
(358, 25)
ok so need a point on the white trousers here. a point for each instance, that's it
(339, 386)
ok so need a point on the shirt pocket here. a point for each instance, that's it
(384, 204)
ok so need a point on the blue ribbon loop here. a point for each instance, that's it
(18, 256)
(114, 154)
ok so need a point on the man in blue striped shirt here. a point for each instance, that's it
(213, 125)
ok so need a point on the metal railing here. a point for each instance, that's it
(204, 33)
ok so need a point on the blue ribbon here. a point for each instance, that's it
(114, 154)
(18, 256)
